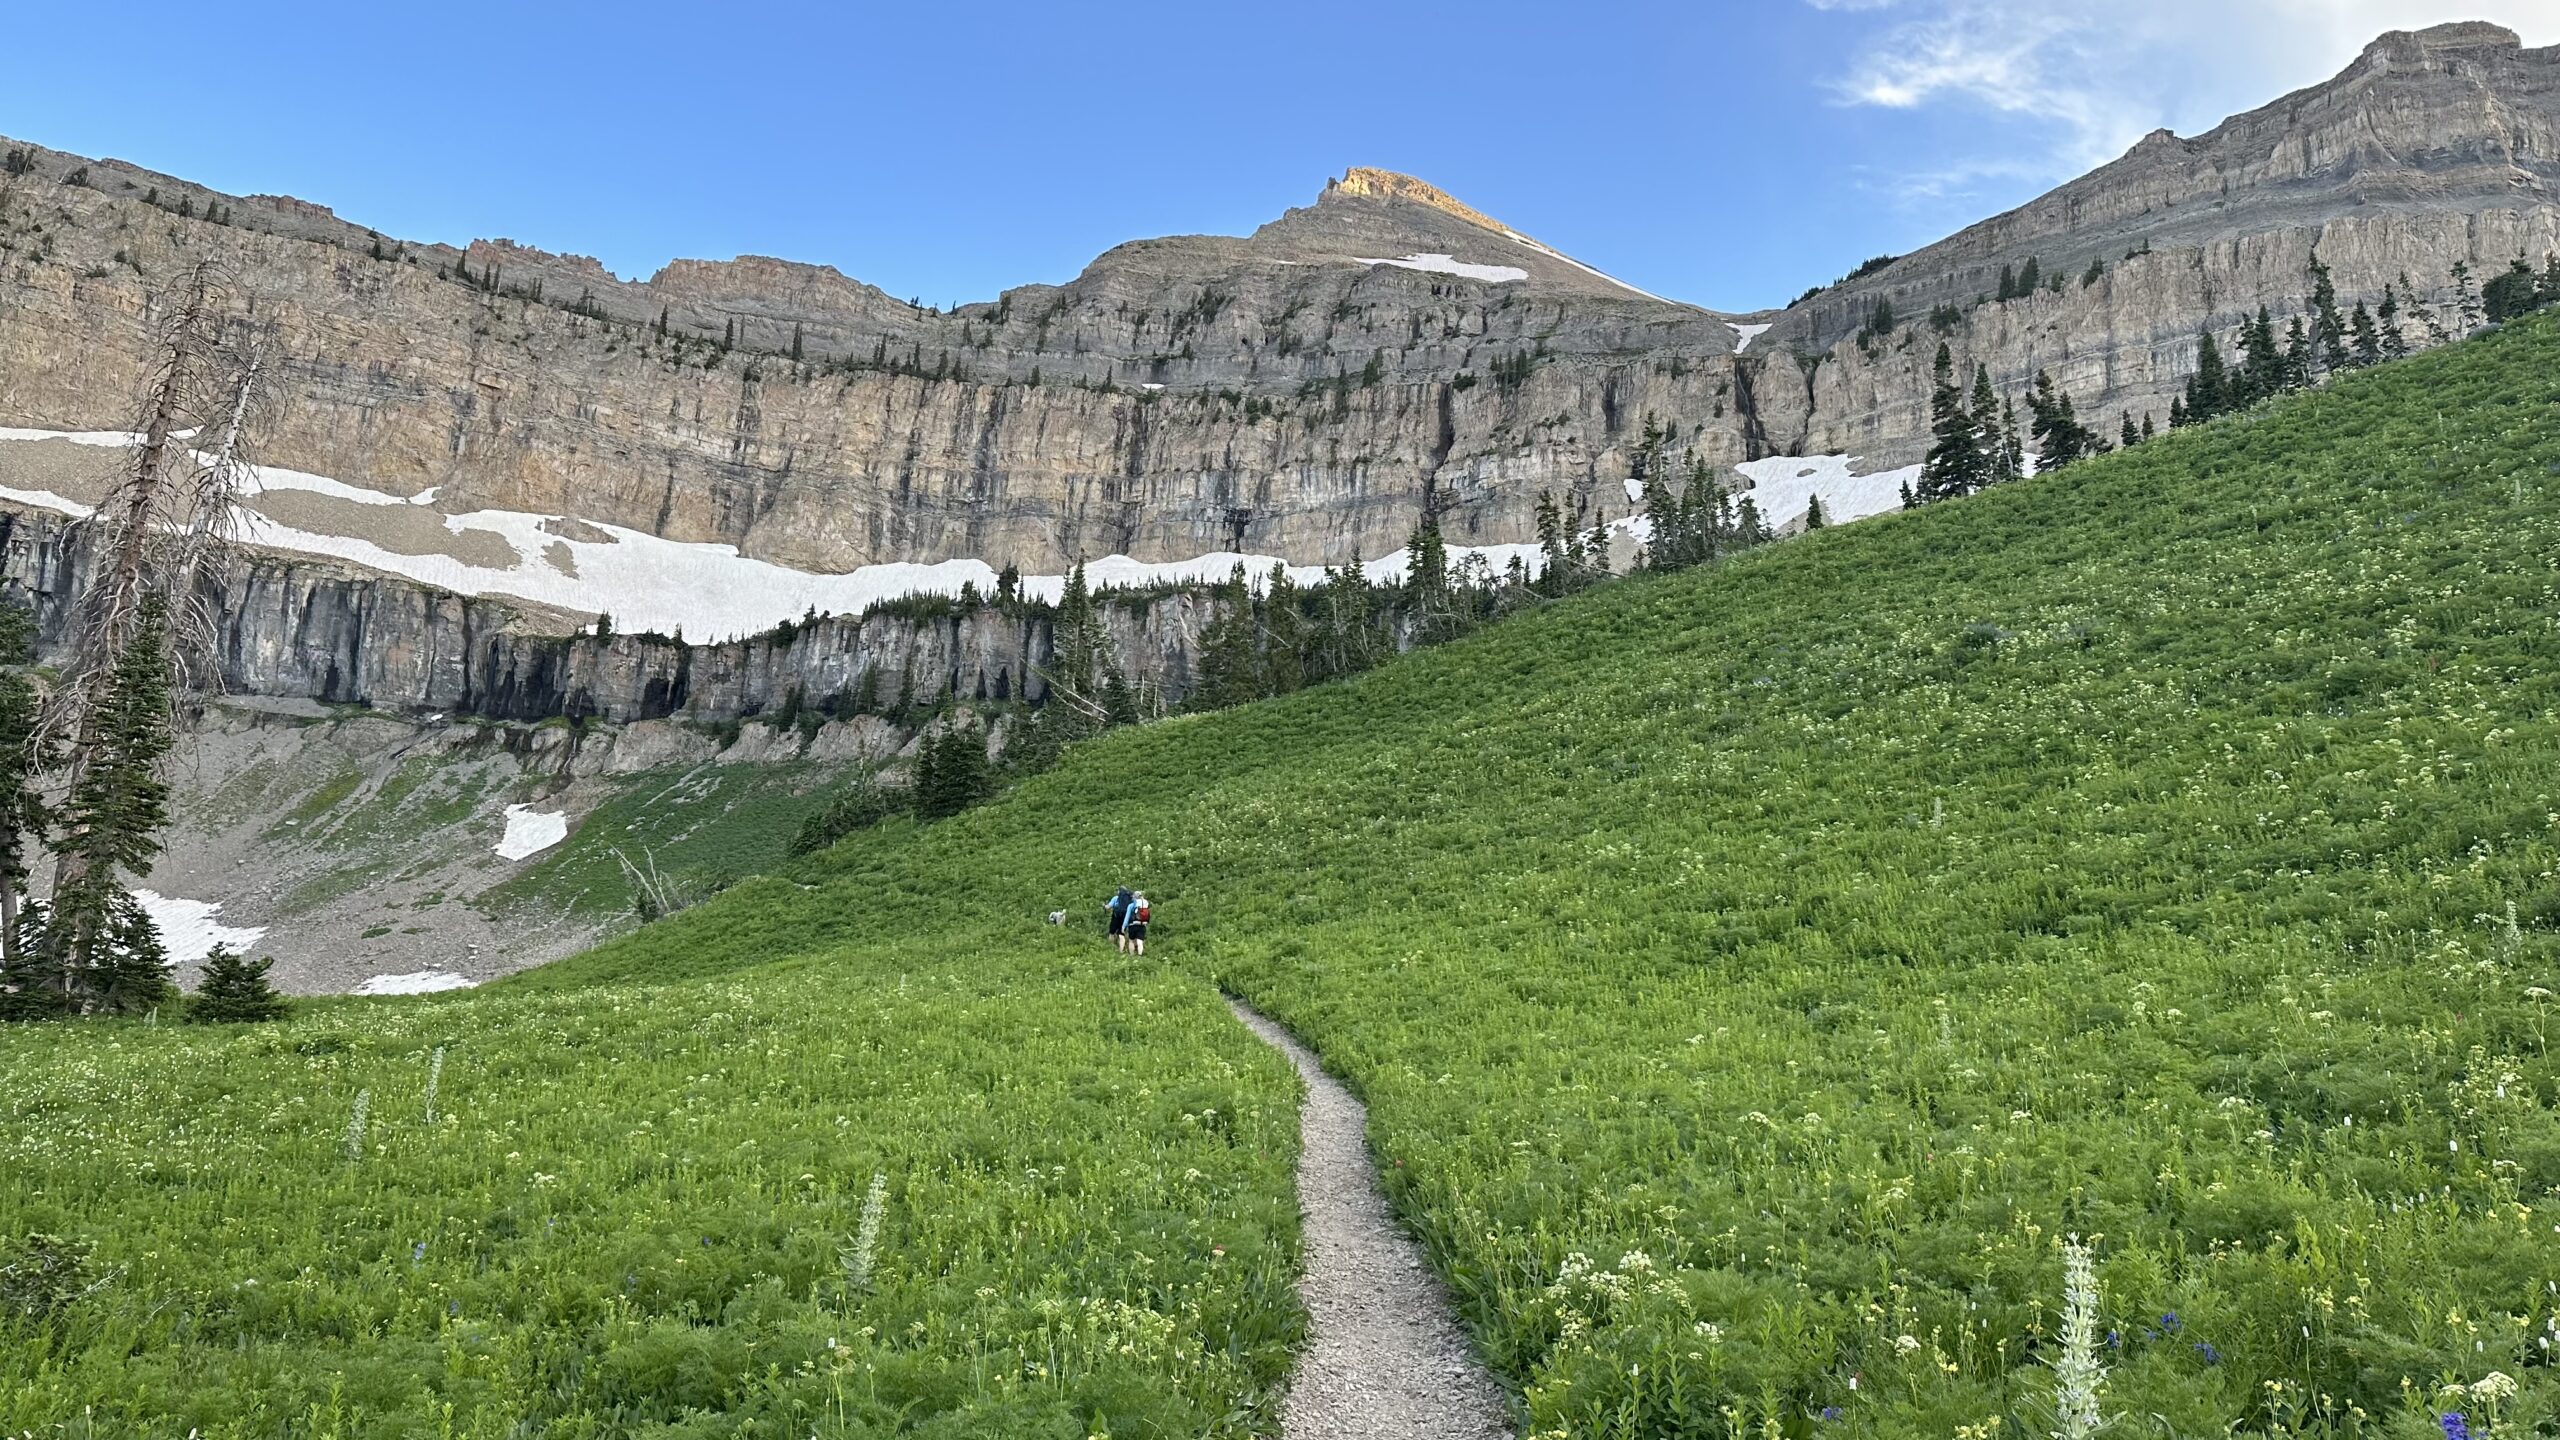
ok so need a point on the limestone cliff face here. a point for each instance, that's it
(1272, 394)
(1304, 391)
(315, 630)
(2434, 148)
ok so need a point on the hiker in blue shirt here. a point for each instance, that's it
(1117, 908)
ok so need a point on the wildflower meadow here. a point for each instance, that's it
(2074, 960)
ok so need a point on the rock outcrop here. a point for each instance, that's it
(316, 630)
(1304, 391)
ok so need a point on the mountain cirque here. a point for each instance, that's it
(1303, 392)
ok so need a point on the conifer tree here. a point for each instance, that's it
(2209, 389)
(2146, 422)
(1954, 465)
(2466, 297)
(2368, 339)
(1555, 548)
(2261, 361)
(2548, 291)
(1813, 519)
(1230, 657)
(2296, 374)
(2329, 327)
(2128, 437)
(111, 822)
(234, 990)
(1285, 633)
(2395, 341)
(24, 755)
(1076, 639)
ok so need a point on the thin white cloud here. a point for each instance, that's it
(2090, 77)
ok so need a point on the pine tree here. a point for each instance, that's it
(2008, 284)
(24, 755)
(2209, 389)
(797, 351)
(2395, 341)
(1230, 670)
(2030, 278)
(2128, 437)
(2146, 422)
(111, 824)
(1813, 513)
(2296, 374)
(2548, 293)
(1075, 663)
(1008, 583)
(2368, 339)
(2330, 328)
(1555, 548)
(2466, 297)
(1954, 465)
(2178, 410)
(2512, 293)
(2262, 362)
(234, 990)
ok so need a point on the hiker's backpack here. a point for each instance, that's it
(1140, 914)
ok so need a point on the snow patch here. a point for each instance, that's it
(1578, 265)
(1452, 265)
(1782, 484)
(711, 592)
(530, 832)
(427, 496)
(1743, 335)
(188, 930)
(416, 982)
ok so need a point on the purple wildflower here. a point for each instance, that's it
(2211, 1355)
(2455, 1427)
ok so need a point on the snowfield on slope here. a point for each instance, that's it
(188, 930)
(1451, 265)
(530, 832)
(710, 592)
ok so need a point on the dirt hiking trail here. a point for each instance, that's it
(1388, 1360)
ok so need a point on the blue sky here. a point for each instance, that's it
(1727, 152)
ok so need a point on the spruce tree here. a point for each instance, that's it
(2330, 328)
(2146, 423)
(24, 755)
(1813, 513)
(1230, 666)
(2128, 437)
(2548, 292)
(1555, 548)
(1954, 464)
(111, 824)
(2209, 389)
(2395, 341)
(2262, 362)
(2368, 339)
(2296, 373)
(233, 990)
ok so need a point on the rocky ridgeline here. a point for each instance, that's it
(1269, 393)
(2434, 148)
(323, 631)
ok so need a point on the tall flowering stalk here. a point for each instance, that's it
(2077, 1374)
(435, 1073)
(866, 1239)
(355, 1125)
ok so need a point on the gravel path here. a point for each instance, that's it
(1388, 1360)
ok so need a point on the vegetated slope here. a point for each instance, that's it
(649, 1211)
(1753, 974)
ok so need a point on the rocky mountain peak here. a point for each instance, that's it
(1364, 182)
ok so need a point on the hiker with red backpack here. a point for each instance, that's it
(1133, 929)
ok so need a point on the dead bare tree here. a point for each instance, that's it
(143, 623)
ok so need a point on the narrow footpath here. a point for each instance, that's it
(1388, 1360)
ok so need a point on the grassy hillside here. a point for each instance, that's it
(1753, 975)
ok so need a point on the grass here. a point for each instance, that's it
(1754, 976)
(703, 825)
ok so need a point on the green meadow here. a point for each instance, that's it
(1754, 975)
